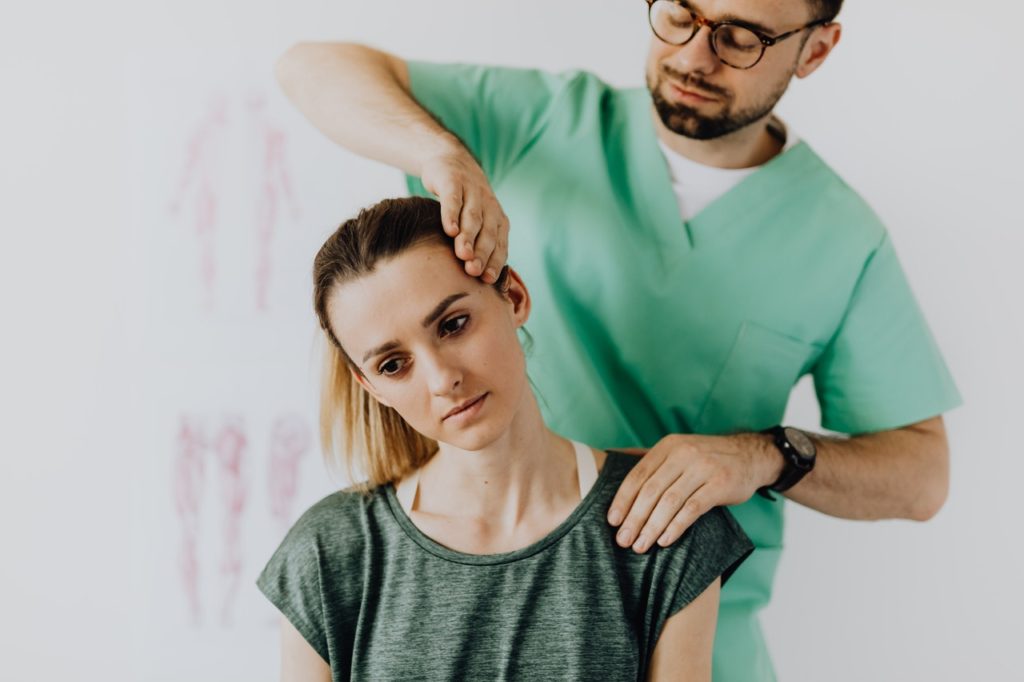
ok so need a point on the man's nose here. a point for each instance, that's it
(696, 56)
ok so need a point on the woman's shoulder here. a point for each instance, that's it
(340, 517)
(355, 499)
(313, 575)
(617, 465)
(324, 544)
(335, 532)
(715, 542)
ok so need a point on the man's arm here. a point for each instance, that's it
(903, 474)
(361, 99)
(900, 473)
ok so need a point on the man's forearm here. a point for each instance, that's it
(359, 97)
(902, 473)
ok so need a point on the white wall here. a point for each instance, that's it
(105, 343)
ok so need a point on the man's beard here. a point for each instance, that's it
(686, 121)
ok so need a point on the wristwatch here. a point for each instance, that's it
(797, 450)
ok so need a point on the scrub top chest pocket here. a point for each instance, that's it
(754, 383)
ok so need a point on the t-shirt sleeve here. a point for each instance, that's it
(882, 369)
(497, 112)
(714, 546)
(291, 581)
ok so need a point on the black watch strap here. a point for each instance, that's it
(792, 471)
(789, 478)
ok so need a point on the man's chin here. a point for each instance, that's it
(690, 124)
(685, 120)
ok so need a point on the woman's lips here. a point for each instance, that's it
(466, 410)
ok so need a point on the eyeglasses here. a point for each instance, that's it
(735, 43)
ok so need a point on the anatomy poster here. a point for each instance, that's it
(233, 194)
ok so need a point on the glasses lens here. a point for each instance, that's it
(672, 22)
(737, 46)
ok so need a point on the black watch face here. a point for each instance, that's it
(800, 442)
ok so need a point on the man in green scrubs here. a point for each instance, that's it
(689, 261)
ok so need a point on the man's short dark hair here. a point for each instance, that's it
(825, 9)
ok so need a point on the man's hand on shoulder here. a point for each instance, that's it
(683, 477)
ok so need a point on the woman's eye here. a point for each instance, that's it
(454, 325)
(391, 367)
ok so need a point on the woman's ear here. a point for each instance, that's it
(516, 292)
(367, 386)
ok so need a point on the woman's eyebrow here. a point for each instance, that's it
(437, 312)
(439, 309)
(383, 348)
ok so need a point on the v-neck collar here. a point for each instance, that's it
(769, 184)
(755, 196)
(650, 178)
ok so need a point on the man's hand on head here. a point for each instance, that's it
(470, 212)
(683, 477)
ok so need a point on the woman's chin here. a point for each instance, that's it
(477, 430)
(472, 441)
(476, 436)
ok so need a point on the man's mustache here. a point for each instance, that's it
(690, 81)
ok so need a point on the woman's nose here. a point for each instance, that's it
(443, 376)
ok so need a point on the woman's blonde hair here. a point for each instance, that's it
(359, 434)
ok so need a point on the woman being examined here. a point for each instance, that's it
(478, 547)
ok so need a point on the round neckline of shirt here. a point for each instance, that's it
(674, 158)
(436, 548)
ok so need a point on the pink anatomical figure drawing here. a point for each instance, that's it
(233, 186)
(290, 439)
(200, 189)
(220, 445)
(211, 551)
(274, 185)
(189, 480)
(230, 451)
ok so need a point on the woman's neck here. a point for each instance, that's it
(525, 479)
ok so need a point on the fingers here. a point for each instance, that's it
(470, 214)
(485, 242)
(492, 246)
(698, 504)
(451, 208)
(647, 497)
(470, 224)
(671, 486)
(667, 510)
(630, 486)
(483, 239)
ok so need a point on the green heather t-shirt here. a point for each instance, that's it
(379, 600)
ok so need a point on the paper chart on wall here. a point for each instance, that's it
(234, 193)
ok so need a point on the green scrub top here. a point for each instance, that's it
(645, 325)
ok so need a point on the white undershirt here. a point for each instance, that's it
(697, 185)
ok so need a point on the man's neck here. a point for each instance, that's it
(747, 147)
